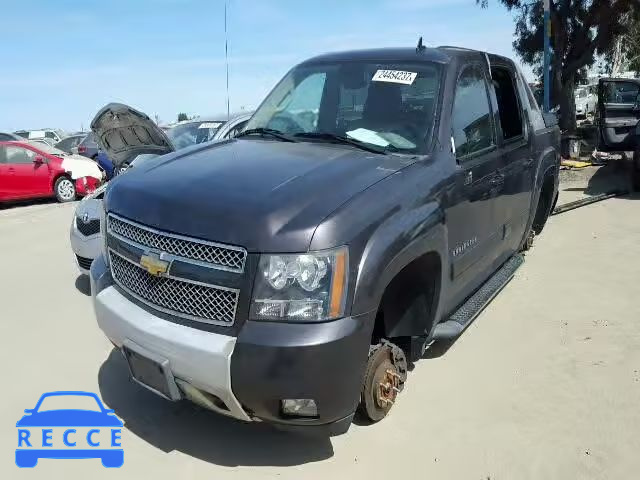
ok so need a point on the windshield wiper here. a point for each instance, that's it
(344, 140)
(267, 131)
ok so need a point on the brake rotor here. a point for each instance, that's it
(390, 376)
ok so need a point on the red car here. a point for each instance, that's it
(30, 170)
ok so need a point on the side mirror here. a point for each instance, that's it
(28, 410)
(550, 119)
(39, 160)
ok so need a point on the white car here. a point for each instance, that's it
(586, 101)
(86, 238)
(50, 135)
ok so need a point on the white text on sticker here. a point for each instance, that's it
(395, 76)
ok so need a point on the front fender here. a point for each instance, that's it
(395, 244)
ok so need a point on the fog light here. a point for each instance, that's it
(299, 407)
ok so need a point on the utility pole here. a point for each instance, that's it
(547, 55)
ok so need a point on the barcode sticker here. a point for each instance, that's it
(395, 76)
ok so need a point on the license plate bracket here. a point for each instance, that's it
(150, 370)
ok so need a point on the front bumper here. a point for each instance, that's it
(85, 249)
(87, 185)
(252, 373)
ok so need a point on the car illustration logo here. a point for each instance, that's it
(69, 432)
(153, 264)
(85, 218)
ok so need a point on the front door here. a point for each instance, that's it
(619, 108)
(25, 176)
(474, 239)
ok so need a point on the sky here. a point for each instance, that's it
(63, 60)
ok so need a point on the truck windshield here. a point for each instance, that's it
(388, 105)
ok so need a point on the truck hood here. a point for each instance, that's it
(264, 195)
(123, 133)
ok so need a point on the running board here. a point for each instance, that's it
(462, 318)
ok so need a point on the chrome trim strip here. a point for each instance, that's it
(179, 279)
(178, 237)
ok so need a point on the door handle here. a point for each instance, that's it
(11, 170)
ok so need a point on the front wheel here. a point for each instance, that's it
(65, 189)
(384, 379)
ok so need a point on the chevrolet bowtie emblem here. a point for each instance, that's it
(154, 265)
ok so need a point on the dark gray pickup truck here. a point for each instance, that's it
(375, 203)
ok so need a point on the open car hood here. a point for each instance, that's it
(123, 133)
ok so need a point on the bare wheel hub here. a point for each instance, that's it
(388, 387)
(390, 376)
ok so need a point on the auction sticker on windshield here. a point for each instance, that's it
(210, 125)
(394, 76)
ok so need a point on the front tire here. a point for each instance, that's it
(64, 189)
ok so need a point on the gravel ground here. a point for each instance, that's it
(544, 384)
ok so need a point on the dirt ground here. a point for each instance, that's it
(544, 384)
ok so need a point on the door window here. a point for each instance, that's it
(621, 92)
(508, 104)
(471, 118)
(18, 155)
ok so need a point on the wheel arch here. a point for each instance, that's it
(57, 176)
(389, 257)
(545, 204)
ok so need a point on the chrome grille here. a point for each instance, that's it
(90, 227)
(191, 300)
(225, 257)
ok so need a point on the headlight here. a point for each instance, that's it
(307, 287)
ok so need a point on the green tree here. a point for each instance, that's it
(182, 117)
(631, 43)
(580, 30)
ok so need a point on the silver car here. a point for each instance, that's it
(117, 121)
(192, 132)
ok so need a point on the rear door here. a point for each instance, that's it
(472, 225)
(619, 108)
(514, 203)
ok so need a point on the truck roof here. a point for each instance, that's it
(443, 55)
